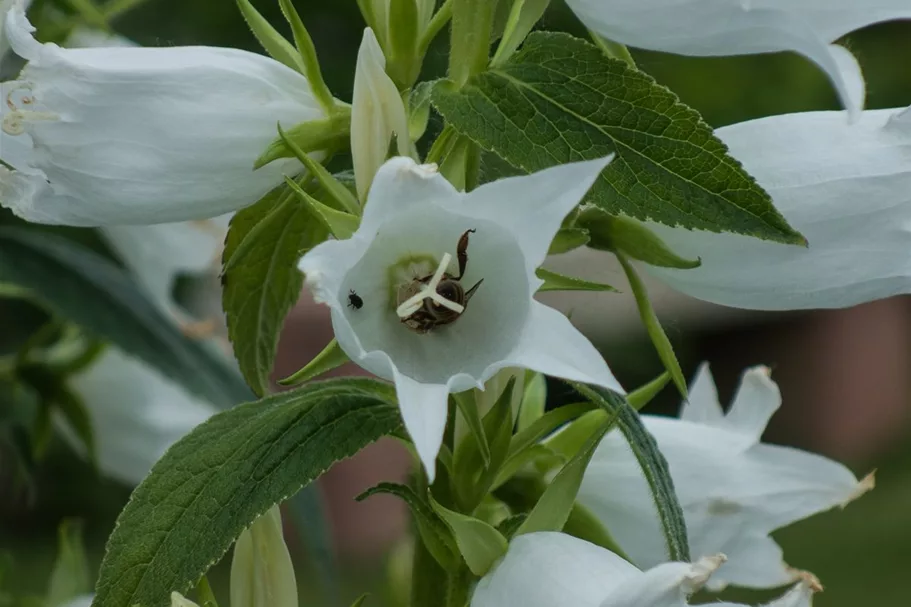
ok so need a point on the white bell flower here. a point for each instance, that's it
(711, 28)
(847, 188)
(262, 574)
(398, 295)
(136, 413)
(112, 136)
(549, 569)
(377, 114)
(734, 490)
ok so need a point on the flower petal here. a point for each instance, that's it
(724, 27)
(550, 344)
(107, 151)
(801, 595)
(702, 405)
(377, 113)
(549, 569)
(129, 440)
(262, 574)
(667, 585)
(533, 206)
(816, 168)
(424, 410)
(157, 254)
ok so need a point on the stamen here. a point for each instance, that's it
(414, 303)
(14, 122)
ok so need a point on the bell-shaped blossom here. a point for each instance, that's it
(403, 309)
(550, 569)
(262, 574)
(734, 490)
(847, 188)
(136, 413)
(112, 136)
(710, 28)
(377, 115)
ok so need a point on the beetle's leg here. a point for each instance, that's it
(471, 291)
(462, 253)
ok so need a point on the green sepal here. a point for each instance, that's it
(274, 43)
(439, 20)
(534, 400)
(472, 21)
(419, 109)
(644, 394)
(480, 544)
(522, 18)
(545, 425)
(586, 526)
(331, 357)
(434, 532)
(204, 594)
(612, 49)
(309, 60)
(571, 439)
(340, 224)
(70, 577)
(568, 239)
(403, 63)
(311, 136)
(630, 237)
(533, 454)
(336, 191)
(468, 406)
(555, 505)
(509, 526)
(653, 325)
(559, 282)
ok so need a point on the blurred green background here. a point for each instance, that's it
(862, 554)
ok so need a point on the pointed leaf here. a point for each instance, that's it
(312, 136)
(338, 223)
(558, 282)
(274, 43)
(568, 239)
(419, 109)
(307, 54)
(261, 281)
(534, 400)
(643, 395)
(331, 357)
(468, 406)
(522, 18)
(92, 292)
(631, 238)
(480, 544)
(559, 99)
(228, 471)
(331, 185)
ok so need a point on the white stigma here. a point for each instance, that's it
(414, 303)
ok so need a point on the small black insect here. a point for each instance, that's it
(354, 300)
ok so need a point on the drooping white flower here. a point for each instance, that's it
(556, 570)
(111, 136)
(262, 574)
(734, 490)
(136, 413)
(377, 114)
(710, 28)
(411, 229)
(847, 188)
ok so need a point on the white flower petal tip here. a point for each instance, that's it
(866, 484)
(816, 167)
(807, 581)
(91, 147)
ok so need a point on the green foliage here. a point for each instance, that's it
(331, 357)
(228, 471)
(89, 290)
(480, 543)
(568, 239)
(261, 280)
(651, 461)
(522, 18)
(435, 534)
(534, 400)
(559, 99)
(560, 282)
(307, 54)
(272, 42)
(472, 22)
(628, 236)
(311, 136)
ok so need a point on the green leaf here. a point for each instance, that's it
(70, 576)
(522, 18)
(554, 507)
(338, 193)
(568, 239)
(559, 282)
(331, 357)
(546, 424)
(419, 109)
(435, 534)
(468, 406)
(653, 325)
(585, 525)
(274, 43)
(307, 54)
(70, 405)
(481, 545)
(215, 481)
(359, 601)
(628, 236)
(311, 136)
(559, 99)
(534, 400)
(643, 395)
(89, 290)
(338, 223)
(261, 281)
(653, 465)
(472, 21)
(404, 64)
(509, 526)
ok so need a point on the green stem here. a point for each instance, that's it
(612, 49)
(437, 23)
(458, 590)
(428, 579)
(441, 147)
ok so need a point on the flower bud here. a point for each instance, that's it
(262, 574)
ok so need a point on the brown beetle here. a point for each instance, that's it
(432, 314)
